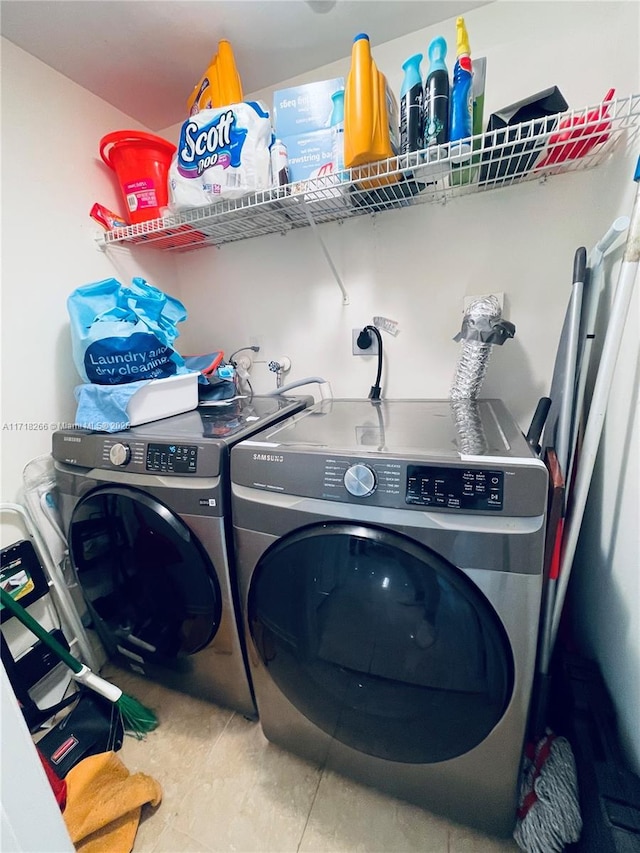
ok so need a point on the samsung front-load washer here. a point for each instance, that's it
(146, 512)
(389, 557)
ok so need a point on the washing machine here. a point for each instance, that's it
(146, 512)
(390, 558)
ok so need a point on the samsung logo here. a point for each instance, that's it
(71, 438)
(267, 457)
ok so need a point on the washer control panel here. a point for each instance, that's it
(455, 488)
(172, 458)
(360, 479)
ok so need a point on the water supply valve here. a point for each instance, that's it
(280, 367)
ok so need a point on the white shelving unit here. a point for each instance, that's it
(532, 151)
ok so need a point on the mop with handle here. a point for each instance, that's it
(589, 310)
(598, 407)
(548, 817)
(136, 719)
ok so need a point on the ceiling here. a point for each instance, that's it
(145, 56)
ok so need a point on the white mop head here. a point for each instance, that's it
(549, 810)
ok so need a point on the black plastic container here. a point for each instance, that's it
(609, 790)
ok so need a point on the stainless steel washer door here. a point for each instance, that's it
(379, 642)
(148, 582)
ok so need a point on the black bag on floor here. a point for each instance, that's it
(93, 726)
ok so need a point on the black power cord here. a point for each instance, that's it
(242, 349)
(364, 342)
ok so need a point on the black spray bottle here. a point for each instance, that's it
(436, 96)
(411, 110)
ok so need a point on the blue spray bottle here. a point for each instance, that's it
(461, 118)
(411, 117)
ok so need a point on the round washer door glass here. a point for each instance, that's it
(380, 643)
(147, 579)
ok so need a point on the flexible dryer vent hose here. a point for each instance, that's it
(482, 329)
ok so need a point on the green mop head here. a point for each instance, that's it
(549, 810)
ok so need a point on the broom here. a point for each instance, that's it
(136, 719)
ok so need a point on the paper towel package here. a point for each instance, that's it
(222, 154)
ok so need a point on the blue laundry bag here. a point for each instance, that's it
(124, 334)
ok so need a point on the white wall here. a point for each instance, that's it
(26, 791)
(412, 265)
(51, 176)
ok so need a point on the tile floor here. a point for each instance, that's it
(226, 788)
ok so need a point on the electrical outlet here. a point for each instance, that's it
(469, 299)
(356, 350)
(244, 362)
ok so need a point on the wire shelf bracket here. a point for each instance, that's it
(327, 254)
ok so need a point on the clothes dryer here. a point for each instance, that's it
(390, 558)
(147, 515)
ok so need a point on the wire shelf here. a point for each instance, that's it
(533, 151)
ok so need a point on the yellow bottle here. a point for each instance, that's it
(370, 115)
(228, 86)
(220, 85)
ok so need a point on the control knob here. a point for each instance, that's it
(119, 454)
(360, 480)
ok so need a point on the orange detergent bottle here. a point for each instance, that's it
(370, 116)
(220, 85)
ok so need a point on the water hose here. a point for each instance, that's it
(324, 387)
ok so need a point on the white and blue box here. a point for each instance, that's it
(304, 109)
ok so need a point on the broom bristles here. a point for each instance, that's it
(549, 814)
(136, 718)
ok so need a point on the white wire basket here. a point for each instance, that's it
(532, 151)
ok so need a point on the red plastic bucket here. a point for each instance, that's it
(141, 162)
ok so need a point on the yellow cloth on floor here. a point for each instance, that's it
(104, 802)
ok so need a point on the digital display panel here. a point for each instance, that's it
(172, 458)
(455, 488)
